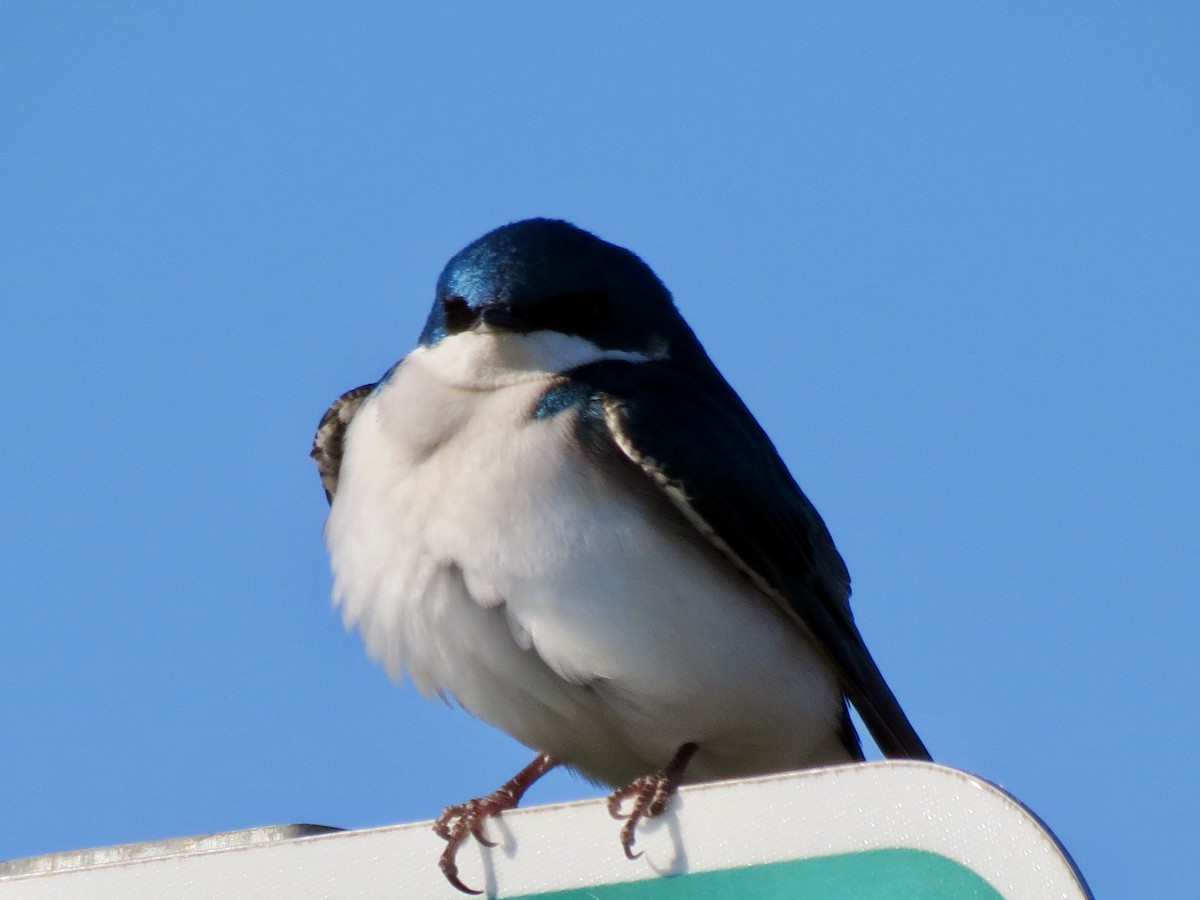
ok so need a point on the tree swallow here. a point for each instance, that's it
(557, 512)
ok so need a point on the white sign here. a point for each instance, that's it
(890, 830)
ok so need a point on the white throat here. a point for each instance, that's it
(483, 359)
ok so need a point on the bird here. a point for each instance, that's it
(557, 513)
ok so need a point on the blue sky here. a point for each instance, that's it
(947, 253)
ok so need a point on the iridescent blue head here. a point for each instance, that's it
(544, 274)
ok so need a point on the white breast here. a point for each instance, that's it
(557, 596)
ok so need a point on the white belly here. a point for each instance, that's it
(476, 548)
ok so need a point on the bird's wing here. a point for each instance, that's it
(328, 445)
(698, 444)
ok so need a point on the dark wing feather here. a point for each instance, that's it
(328, 445)
(698, 443)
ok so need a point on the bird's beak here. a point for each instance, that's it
(500, 317)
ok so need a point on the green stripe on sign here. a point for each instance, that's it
(893, 874)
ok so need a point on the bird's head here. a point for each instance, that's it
(543, 279)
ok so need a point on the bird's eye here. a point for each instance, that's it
(458, 314)
(574, 313)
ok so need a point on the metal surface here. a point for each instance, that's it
(65, 860)
(786, 826)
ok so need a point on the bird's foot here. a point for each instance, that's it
(461, 820)
(650, 795)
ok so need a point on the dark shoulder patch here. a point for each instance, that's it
(327, 445)
(561, 396)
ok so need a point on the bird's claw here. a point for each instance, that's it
(449, 867)
(461, 820)
(650, 795)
